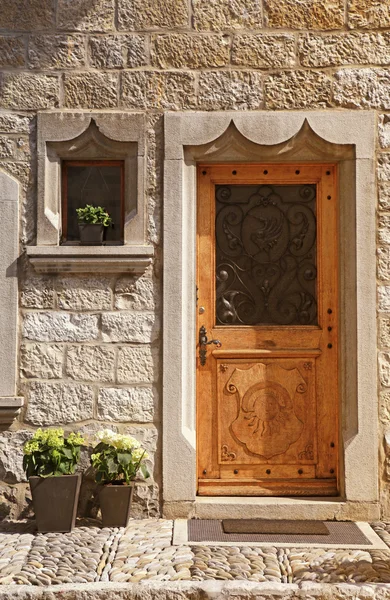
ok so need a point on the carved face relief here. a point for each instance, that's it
(266, 424)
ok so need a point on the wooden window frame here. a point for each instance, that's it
(64, 199)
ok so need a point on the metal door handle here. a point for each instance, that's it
(203, 343)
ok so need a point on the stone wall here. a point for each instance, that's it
(90, 346)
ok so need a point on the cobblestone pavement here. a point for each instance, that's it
(144, 552)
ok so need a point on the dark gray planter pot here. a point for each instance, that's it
(90, 234)
(55, 501)
(115, 504)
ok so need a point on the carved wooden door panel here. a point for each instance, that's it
(267, 358)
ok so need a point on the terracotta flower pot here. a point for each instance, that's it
(91, 234)
(115, 504)
(55, 501)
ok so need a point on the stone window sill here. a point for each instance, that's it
(90, 259)
(9, 409)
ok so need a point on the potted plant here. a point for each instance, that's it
(117, 460)
(92, 221)
(49, 461)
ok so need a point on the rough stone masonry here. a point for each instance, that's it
(89, 346)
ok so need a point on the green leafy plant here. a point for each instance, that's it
(118, 458)
(49, 453)
(95, 215)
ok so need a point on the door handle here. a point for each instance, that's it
(203, 343)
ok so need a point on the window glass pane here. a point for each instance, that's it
(266, 266)
(99, 186)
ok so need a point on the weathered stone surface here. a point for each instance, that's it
(90, 363)
(40, 360)
(230, 90)
(384, 195)
(297, 89)
(11, 455)
(27, 91)
(91, 90)
(384, 297)
(129, 327)
(384, 167)
(20, 170)
(79, 15)
(305, 14)
(146, 500)
(225, 15)
(56, 403)
(384, 411)
(384, 229)
(344, 49)
(37, 293)
(384, 368)
(117, 51)
(13, 123)
(154, 89)
(384, 332)
(383, 265)
(135, 404)
(137, 364)
(147, 14)
(12, 51)
(180, 50)
(26, 15)
(80, 293)
(135, 293)
(15, 148)
(56, 52)
(60, 327)
(368, 13)
(264, 51)
(362, 88)
(384, 130)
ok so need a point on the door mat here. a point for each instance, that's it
(341, 534)
(267, 526)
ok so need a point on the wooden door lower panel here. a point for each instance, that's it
(263, 487)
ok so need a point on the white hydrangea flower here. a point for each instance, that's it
(107, 436)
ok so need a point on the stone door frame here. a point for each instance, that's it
(345, 137)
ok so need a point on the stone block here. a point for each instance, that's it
(60, 327)
(155, 89)
(384, 368)
(12, 51)
(226, 15)
(91, 90)
(130, 327)
(369, 14)
(41, 361)
(26, 91)
(384, 196)
(362, 88)
(384, 130)
(15, 148)
(11, 455)
(297, 89)
(230, 90)
(79, 15)
(12, 123)
(384, 297)
(79, 293)
(384, 411)
(180, 50)
(132, 404)
(58, 403)
(117, 51)
(384, 332)
(305, 14)
(384, 229)
(264, 51)
(21, 171)
(90, 363)
(146, 501)
(26, 15)
(149, 14)
(37, 293)
(383, 263)
(135, 293)
(56, 52)
(137, 364)
(384, 168)
(344, 49)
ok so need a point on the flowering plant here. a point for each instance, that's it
(49, 453)
(117, 458)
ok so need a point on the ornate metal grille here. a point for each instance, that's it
(266, 255)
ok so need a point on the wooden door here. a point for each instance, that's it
(267, 394)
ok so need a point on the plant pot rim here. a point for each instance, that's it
(53, 476)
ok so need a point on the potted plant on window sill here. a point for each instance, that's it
(49, 461)
(117, 460)
(93, 222)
